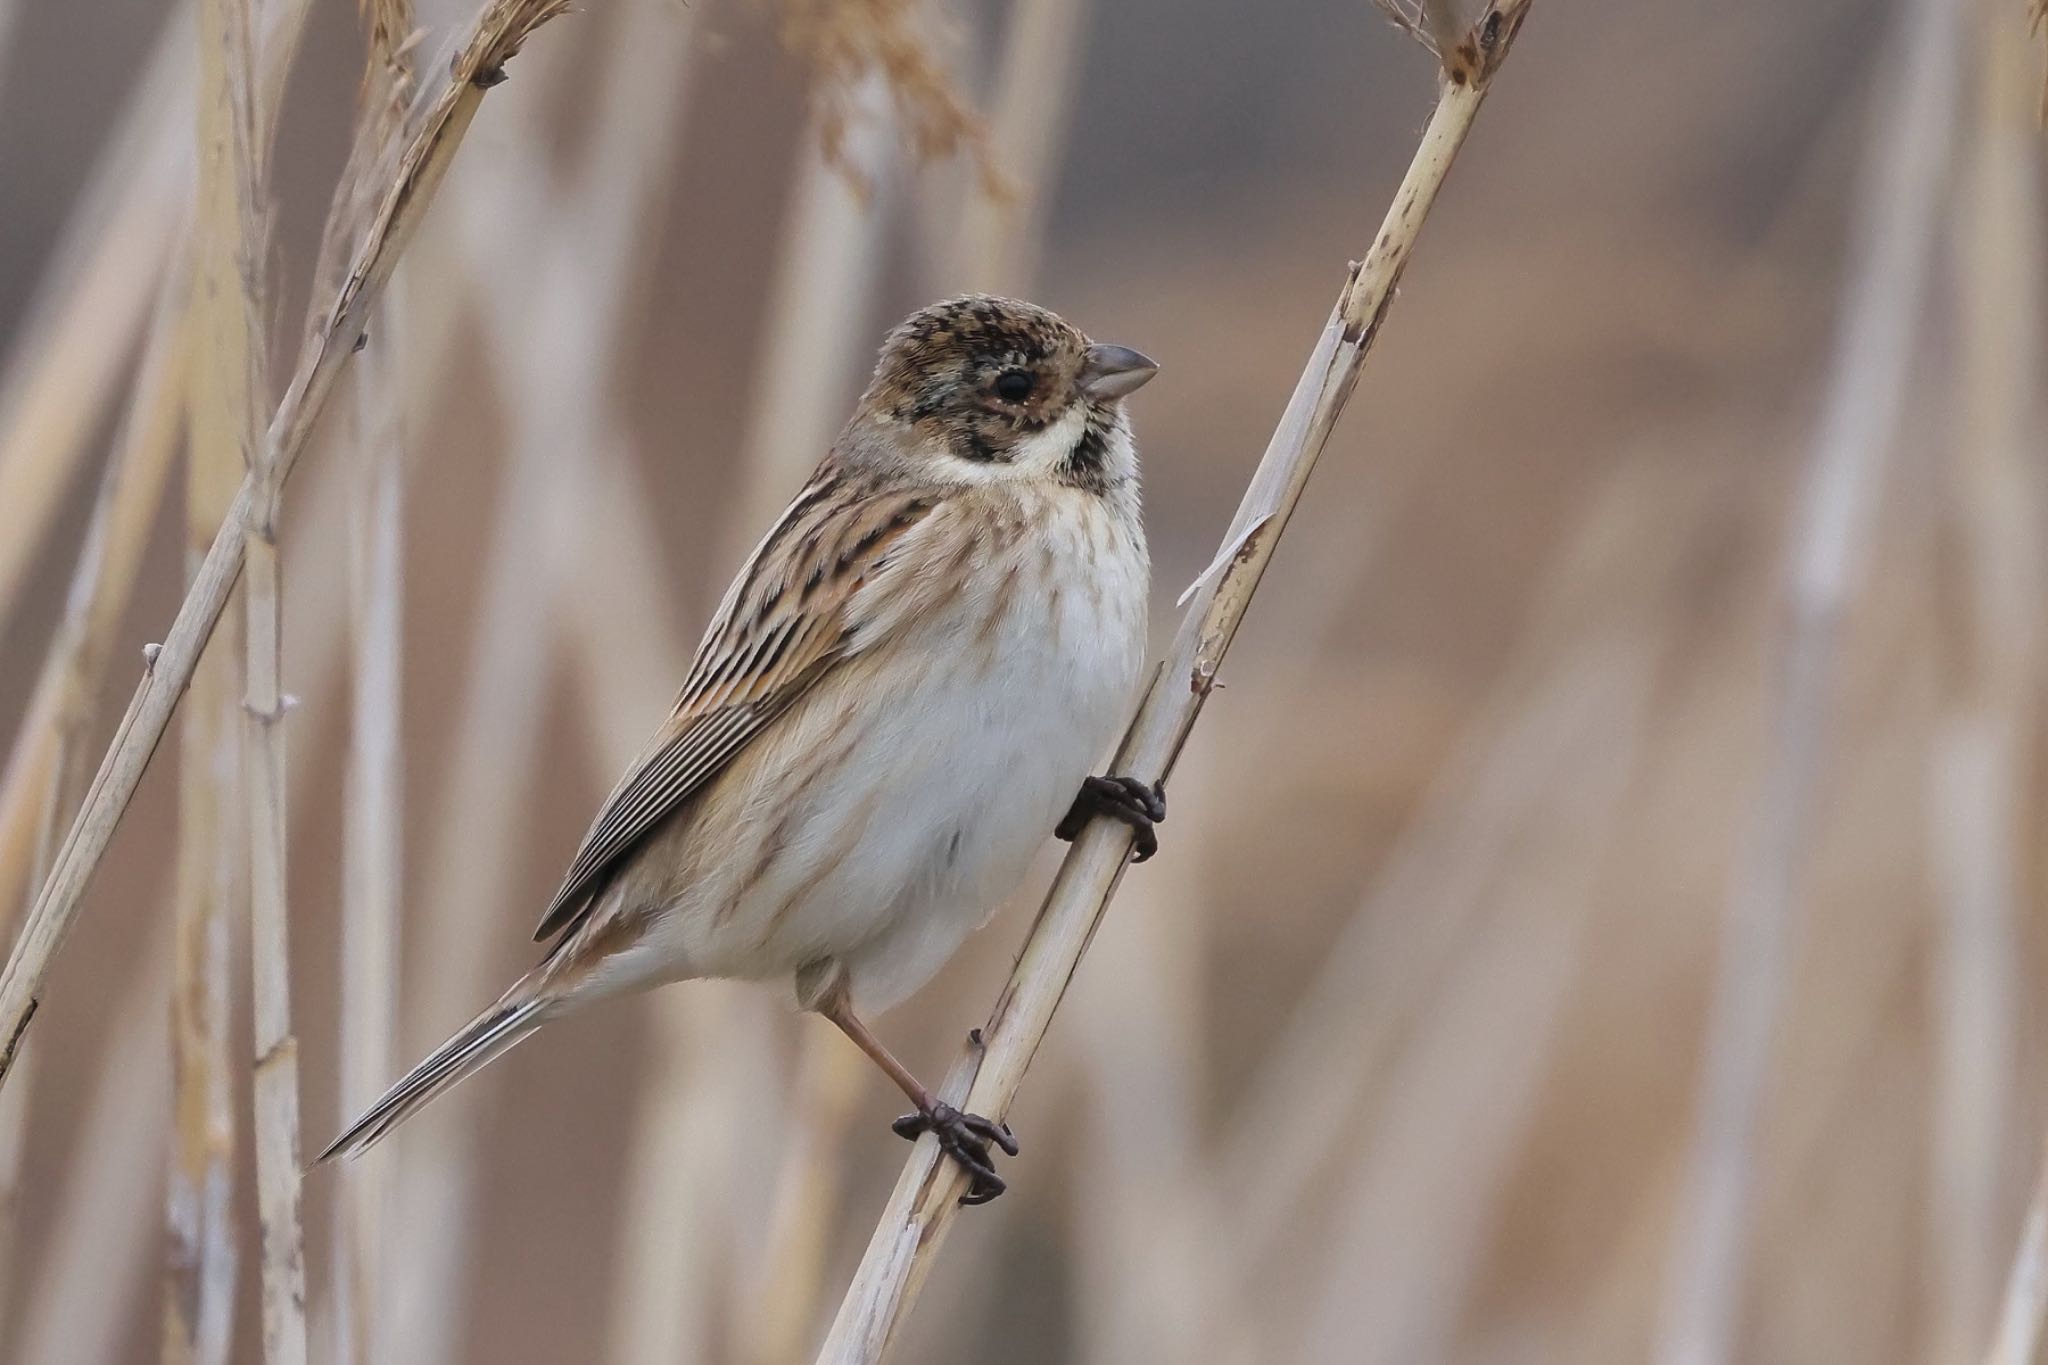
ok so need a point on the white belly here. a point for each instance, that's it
(887, 825)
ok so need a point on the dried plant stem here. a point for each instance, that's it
(500, 28)
(1993, 736)
(276, 1079)
(828, 272)
(46, 773)
(782, 1303)
(199, 1300)
(586, 260)
(45, 776)
(2037, 20)
(139, 187)
(372, 825)
(1141, 1295)
(828, 267)
(1894, 224)
(99, 1259)
(129, 219)
(926, 1196)
(2025, 1310)
(1413, 1218)
(98, 297)
(373, 787)
(234, 231)
(495, 749)
(997, 237)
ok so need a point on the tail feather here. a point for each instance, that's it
(486, 1038)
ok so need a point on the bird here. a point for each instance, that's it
(904, 690)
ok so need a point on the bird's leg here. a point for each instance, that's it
(1137, 804)
(964, 1137)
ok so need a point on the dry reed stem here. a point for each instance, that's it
(2037, 22)
(276, 1077)
(1412, 1219)
(234, 235)
(372, 828)
(1353, 1071)
(500, 28)
(212, 885)
(128, 218)
(553, 350)
(1136, 1021)
(589, 259)
(102, 1253)
(926, 1196)
(833, 247)
(828, 267)
(466, 884)
(1898, 208)
(77, 338)
(373, 779)
(1983, 765)
(777, 1324)
(1425, 906)
(997, 237)
(1387, 972)
(144, 204)
(46, 773)
(830, 262)
(2025, 1308)
(683, 1152)
(44, 777)
(2000, 257)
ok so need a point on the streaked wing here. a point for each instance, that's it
(790, 617)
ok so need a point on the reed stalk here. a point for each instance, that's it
(46, 772)
(1412, 1217)
(1990, 761)
(986, 238)
(44, 777)
(495, 35)
(1896, 215)
(834, 244)
(95, 300)
(926, 1197)
(373, 783)
(103, 1253)
(141, 188)
(553, 352)
(213, 876)
(230, 306)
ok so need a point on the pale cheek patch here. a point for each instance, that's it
(1045, 451)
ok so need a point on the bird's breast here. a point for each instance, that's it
(905, 797)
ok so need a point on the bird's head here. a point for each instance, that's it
(985, 389)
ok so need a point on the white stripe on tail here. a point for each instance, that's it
(486, 1038)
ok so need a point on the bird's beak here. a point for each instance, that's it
(1113, 371)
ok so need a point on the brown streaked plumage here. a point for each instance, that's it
(895, 702)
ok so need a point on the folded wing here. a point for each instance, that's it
(794, 613)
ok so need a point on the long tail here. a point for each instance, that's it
(482, 1041)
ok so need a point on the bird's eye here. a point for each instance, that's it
(1014, 386)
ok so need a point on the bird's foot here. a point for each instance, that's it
(1138, 804)
(965, 1138)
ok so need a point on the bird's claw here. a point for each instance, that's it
(965, 1138)
(1139, 804)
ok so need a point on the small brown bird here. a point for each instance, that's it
(896, 701)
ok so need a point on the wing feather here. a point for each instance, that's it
(789, 618)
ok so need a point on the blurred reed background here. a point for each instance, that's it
(1600, 919)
